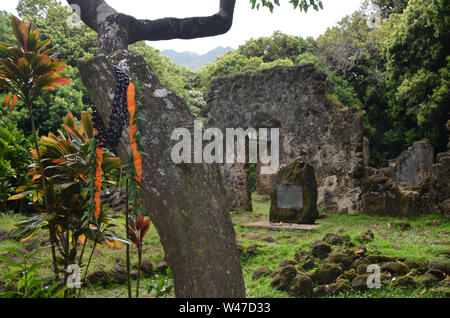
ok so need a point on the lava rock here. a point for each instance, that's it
(378, 259)
(320, 291)
(327, 273)
(301, 256)
(358, 262)
(119, 274)
(349, 275)
(395, 268)
(308, 264)
(428, 279)
(334, 239)
(437, 273)
(405, 281)
(161, 268)
(252, 250)
(420, 267)
(360, 251)
(365, 237)
(362, 269)
(320, 249)
(302, 286)
(261, 272)
(360, 282)
(340, 258)
(287, 262)
(337, 288)
(284, 277)
(440, 266)
(147, 268)
(99, 277)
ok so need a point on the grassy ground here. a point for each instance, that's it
(421, 242)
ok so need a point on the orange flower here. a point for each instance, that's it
(98, 181)
(82, 239)
(110, 244)
(137, 157)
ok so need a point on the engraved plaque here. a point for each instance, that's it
(289, 197)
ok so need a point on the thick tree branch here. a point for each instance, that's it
(101, 17)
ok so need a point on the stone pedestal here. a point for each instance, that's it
(294, 198)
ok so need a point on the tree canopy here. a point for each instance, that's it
(397, 74)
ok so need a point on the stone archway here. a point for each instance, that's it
(312, 126)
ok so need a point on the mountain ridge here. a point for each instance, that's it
(194, 60)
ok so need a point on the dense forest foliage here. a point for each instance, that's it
(396, 73)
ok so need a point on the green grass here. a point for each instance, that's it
(421, 242)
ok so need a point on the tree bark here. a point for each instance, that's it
(117, 30)
(186, 202)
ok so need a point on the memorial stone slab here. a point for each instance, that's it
(294, 198)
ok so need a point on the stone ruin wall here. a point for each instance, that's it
(413, 184)
(264, 182)
(294, 99)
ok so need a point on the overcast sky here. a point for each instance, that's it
(248, 23)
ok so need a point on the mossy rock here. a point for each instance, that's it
(337, 288)
(296, 174)
(419, 266)
(428, 279)
(302, 286)
(261, 272)
(358, 262)
(350, 274)
(443, 266)
(365, 237)
(287, 262)
(378, 259)
(327, 273)
(395, 268)
(284, 278)
(405, 281)
(360, 282)
(335, 239)
(320, 249)
(340, 258)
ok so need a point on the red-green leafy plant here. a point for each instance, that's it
(67, 163)
(136, 231)
(26, 70)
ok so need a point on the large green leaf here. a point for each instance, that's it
(87, 124)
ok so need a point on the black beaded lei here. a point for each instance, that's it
(119, 114)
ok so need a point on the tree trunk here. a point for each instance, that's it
(186, 202)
